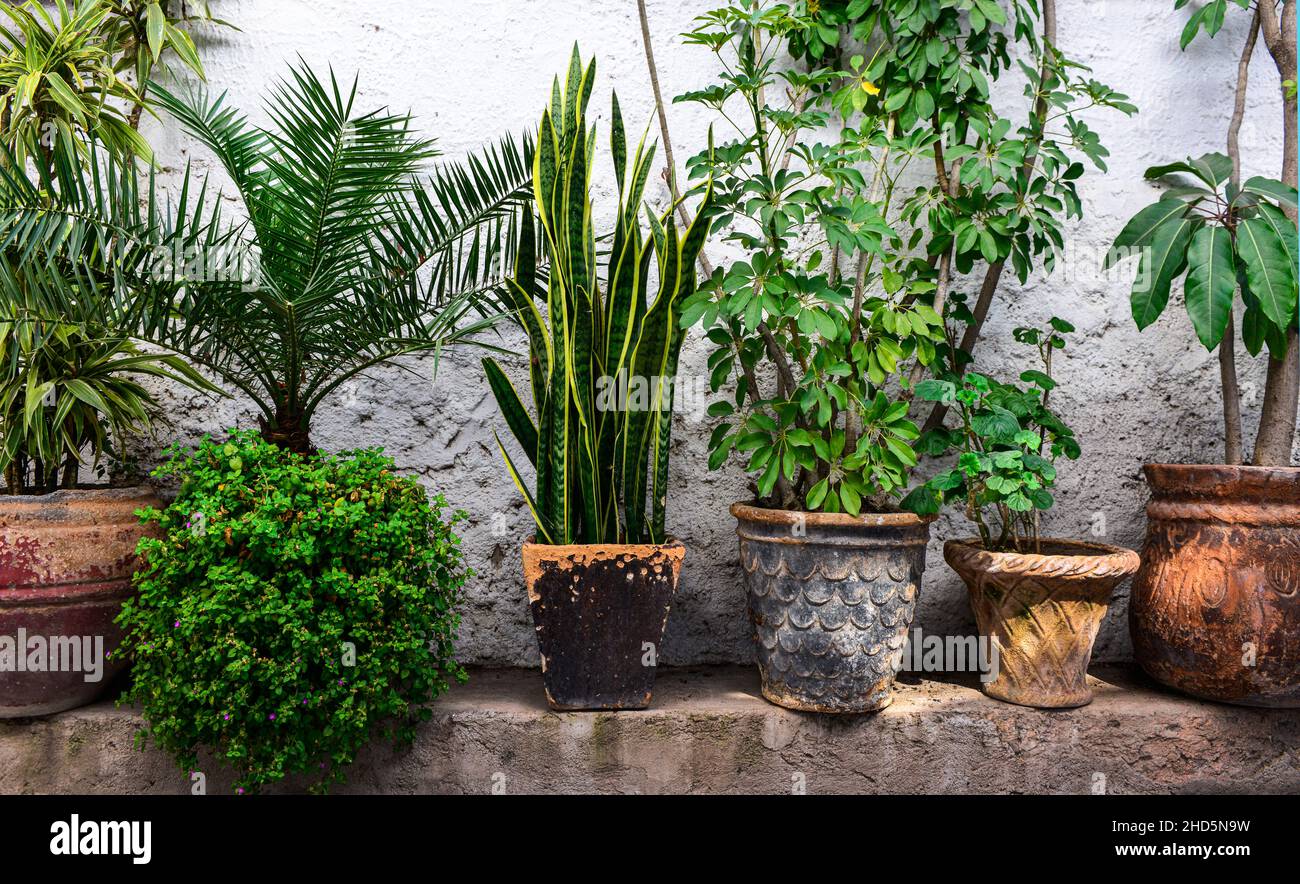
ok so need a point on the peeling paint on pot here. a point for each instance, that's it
(66, 561)
(600, 612)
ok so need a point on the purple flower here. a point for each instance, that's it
(239, 791)
(272, 716)
(176, 625)
(226, 717)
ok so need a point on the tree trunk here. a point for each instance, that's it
(289, 431)
(1277, 423)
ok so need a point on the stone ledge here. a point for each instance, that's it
(710, 732)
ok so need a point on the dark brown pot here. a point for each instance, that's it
(1041, 614)
(66, 560)
(600, 613)
(831, 599)
(1215, 609)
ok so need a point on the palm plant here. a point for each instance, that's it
(58, 80)
(348, 257)
(602, 363)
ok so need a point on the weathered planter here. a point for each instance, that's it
(1215, 610)
(66, 560)
(1041, 614)
(831, 599)
(600, 613)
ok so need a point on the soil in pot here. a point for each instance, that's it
(1041, 612)
(1215, 610)
(831, 599)
(600, 613)
(66, 560)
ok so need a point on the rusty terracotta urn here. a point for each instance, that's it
(600, 613)
(66, 560)
(1215, 610)
(831, 599)
(1041, 613)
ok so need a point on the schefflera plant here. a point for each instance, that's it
(603, 354)
(818, 331)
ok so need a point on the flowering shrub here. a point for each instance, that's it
(292, 608)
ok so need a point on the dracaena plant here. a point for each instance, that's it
(819, 327)
(349, 256)
(59, 80)
(1006, 447)
(603, 354)
(1223, 237)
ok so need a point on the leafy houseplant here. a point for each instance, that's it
(1231, 529)
(1039, 601)
(349, 257)
(69, 390)
(291, 608)
(816, 335)
(596, 445)
(1006, 446)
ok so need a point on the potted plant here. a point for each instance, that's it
(813, 332)
(601, 570)
(1214, 609)
(70, 397)
(290, 608)
(349, 257)
(1039, 601)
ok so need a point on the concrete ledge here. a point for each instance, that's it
(710, 732)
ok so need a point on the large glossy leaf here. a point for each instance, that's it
(1141, 228)
(1211, 283)
(1268, 269)
(1161, 263)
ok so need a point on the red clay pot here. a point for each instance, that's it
(66, 561)
(1215, 610)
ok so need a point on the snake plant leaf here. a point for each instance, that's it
(517, 418)
(542, 524)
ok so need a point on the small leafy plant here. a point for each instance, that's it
(1006, 447)
(290, 608)
(603, 357)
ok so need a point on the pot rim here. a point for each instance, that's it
(1248, 469)
(670, 545)
(79, 495)
(752, 513)
(1090, 551)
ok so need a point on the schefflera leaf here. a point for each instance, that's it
(1211, 283)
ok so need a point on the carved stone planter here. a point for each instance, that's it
(831, 599)
(600, 613)
(1215, 610)
(1041, 613)
(66, 561)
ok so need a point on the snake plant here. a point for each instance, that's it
(596, 451)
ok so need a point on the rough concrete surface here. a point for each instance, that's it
(709, 732)
(471, 73)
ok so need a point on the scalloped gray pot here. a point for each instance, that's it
(831, 599)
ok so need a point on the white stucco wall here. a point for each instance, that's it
(471, 71)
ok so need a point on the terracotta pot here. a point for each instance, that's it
(600, 613)
(66, 560)
(1215, 609)
(1041, 614)
(831, 599)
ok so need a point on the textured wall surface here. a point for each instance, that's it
(470, 72)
